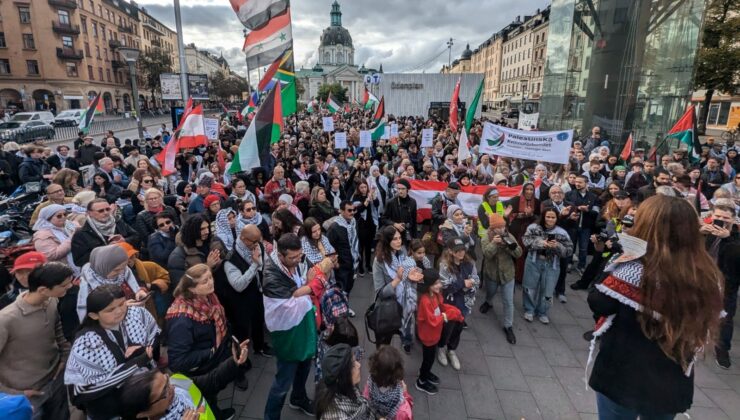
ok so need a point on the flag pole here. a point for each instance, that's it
(246, 62)
(181, 51)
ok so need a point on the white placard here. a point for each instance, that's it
(386, 133)
(340, 140)
(427, 137)
(527, 121)
(328, 124)
(366, 139)
(394, 130)
(545, 146)
(211, 128)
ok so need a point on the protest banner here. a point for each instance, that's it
(544, 146)
(527, 121)
(427, 137)
(328, 124)
(340, 140)
(366, 139)
(211, 127)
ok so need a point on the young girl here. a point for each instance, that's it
(419, 254)
(433, 315)
(385, 389)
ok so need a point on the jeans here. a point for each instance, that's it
(287, 373)
(725, 331)
(427, 361)
(53, 404)
(609, 410)
(407, 334)
(583, 235)
(539, 282)
(507, 298)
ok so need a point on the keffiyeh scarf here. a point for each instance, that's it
(346, 408)
(202, 309)
(224, 231)
(354, 242)
(241, 221)
(406, 291)
(180, 403)
(315, 254)
(385, 401)
(103, 229)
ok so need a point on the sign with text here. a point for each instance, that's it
(545, 146)
(427, 137)
(366, 139)
(211, 127)
(394, 130)
(340, 140)
(528, 121)
(328, 124)
(169, 84)
(386, 133)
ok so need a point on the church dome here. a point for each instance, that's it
(467, 53)
(336, 35)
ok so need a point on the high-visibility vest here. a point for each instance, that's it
(489, 211)
(183, 382)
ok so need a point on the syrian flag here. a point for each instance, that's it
(264, 45)
(86, 119)
(265, 129)
(377, 132)
(380, 112)
(470, 196)
(627, 151)
(470, 116)
(454, 110)
(368, 99)
(332, 105)
(192, 131)
(685, 131)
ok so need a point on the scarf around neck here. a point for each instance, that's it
(385, 401)
(242, 221)
(103, 229)
(203, 310)
(354, 243)
(224, 231)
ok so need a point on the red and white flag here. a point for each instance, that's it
(470, 197)
(192, 130)
(453, 107)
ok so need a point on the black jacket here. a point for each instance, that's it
(56, 162)
(160, 247)
(401, 210)
(190, 343)
(144, 225)
(31, 170)
(588, 218)
(339, 239)
(86, 239)
(86, 154)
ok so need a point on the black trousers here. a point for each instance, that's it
(427, 361)
(383, 339)
(451, 335)
(560, 286)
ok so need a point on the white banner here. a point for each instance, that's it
(527, 121)
(340, 140)
(386, 133)
(328, 124)
(211, 127)
(545, 146)
(427, 137)
(394, 130)
(366, 139)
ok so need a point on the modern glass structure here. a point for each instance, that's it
(624, 65)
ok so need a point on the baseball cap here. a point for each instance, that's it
(456, 244)
(621, 194)
(29, 260)
(453, 186)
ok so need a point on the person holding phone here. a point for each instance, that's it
(547, 243)
(457, 225)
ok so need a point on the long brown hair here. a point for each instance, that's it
(680, 280)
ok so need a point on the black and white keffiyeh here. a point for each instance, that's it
(346, 408)
(181, 402)
(224, 231)
(314, 253)
(354, 242)
(385, 401)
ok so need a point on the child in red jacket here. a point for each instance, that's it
(432, 314)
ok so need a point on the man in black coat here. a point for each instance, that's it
(587, 204)
(100, 229)
(86, 152)
(62, 159)
(344, 238)
(400, 212)
(662, 178)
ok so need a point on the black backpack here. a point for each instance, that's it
(384, 316)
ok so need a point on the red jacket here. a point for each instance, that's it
(429, 320)
(273, 191)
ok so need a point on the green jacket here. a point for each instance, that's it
(498, 260)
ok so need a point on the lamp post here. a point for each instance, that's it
(130, 55)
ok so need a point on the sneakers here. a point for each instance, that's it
(454, 361)
(722, 358)
(433, 378)
(485, 307)
(441, 356)
(306, 406)
(351, 313)
(588, 335)
(562, 299)
(465, 325)
(529, 317)
(510, 337)
(426, 386)
(544, 319)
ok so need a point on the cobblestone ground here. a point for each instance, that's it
(541, 377)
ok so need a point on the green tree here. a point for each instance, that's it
(335, 89)
(225, 86)
(151, 64)
(718, 60)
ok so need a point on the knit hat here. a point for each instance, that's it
(451, 210)
(430, 277)
(286, 198)
(334, 360)
(404, 182)
(212, 198)
(104, 259)
(180, 188)
(29, 260)
(496, 221)
(130, 250)
(498, 178)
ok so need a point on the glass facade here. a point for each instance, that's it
(624, 65)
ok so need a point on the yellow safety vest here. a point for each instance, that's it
(183, 382)
(489, 211)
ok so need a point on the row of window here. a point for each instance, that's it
(32, 69)
(104, 13)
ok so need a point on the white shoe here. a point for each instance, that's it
(529, 317)
(351, 313)
(454, 361)
(442, 356)
(562, 299)
(544, 319)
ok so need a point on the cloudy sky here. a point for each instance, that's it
(404, 36)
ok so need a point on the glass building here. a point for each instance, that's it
(623, 65)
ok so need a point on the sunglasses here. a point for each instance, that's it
(249, 209)
(167, 223)
(59, 216)
(101, 211)
(350, 210)
(146, 181)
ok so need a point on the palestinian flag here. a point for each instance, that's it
(470, 116)
(265, 129)
(332, 105)
(290, 320)
(368, 99)
(86, 119)
(627, 150)
(685, 131)
(251, 106)
(380, 111)
(377, 132)
(255, 13)
(311, 106)
(454, 107)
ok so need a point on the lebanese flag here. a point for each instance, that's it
(453, 107)
(166, 157)
(193, 133)
(470, 197)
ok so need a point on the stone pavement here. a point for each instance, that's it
(541, 377)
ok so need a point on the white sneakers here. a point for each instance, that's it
(529, 317)
(454, 361)
(544, 319)
(441, 356)
(448, 357)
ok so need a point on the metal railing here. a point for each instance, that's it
(114, 43)
(69, 54)
(69, 4)
(65, 28)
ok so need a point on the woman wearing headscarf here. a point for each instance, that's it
(285, 201)
(458, 226)
(115, 342)
(226, 227)
(522, 211)
(108, 265)
(321, 209)
(53, 235)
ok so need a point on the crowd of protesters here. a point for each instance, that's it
(147, 294)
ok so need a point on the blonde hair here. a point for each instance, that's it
(153, 190)
(83, 198)
(190, 280)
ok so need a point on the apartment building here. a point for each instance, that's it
(204, 62)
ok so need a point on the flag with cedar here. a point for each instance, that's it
(265, 129)
(166, 157)
(454, 107)
(685, 132)
(93, 108)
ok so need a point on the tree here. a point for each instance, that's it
(226, 86)
(151, 65)
(335, 89)
(719, 56)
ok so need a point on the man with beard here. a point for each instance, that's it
(712, 177)
(100, 229)
(400, 211)
(662, 178)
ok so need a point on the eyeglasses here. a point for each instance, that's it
(105, 210)
(250, 209)
(350, 210)
(166, 223)
(56, 191)
(59, 216)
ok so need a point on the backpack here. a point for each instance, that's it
(383, 316)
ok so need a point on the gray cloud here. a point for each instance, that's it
(401, 35)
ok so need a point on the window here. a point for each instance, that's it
(25, 14)
(100, 13)
(67, 42)
(83, 23)
(4, 66)
(97, 52)
(92, 6)
(63, 17)
(72, 70)
(100, 74)
(95, 29)
(28, 43)
(585, 84)
(33, 67)
(107, 75)
(2, 40)
(105, 54)
(102, 31)
(90, 71)
(87, 50)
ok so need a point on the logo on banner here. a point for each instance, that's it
(563, 136)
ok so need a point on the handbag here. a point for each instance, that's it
(383, 316)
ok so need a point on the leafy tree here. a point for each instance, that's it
(225, 86)
(151, 65)
(335, 89)
(719, 56)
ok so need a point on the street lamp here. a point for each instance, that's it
(130, 55)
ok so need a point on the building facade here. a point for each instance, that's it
(518, 76)
(417, 93)
(204, 62)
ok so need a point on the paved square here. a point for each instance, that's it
(541, 377)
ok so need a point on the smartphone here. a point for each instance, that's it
(147, 296)
(235, 345)
(718, 223)
(550, 237)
